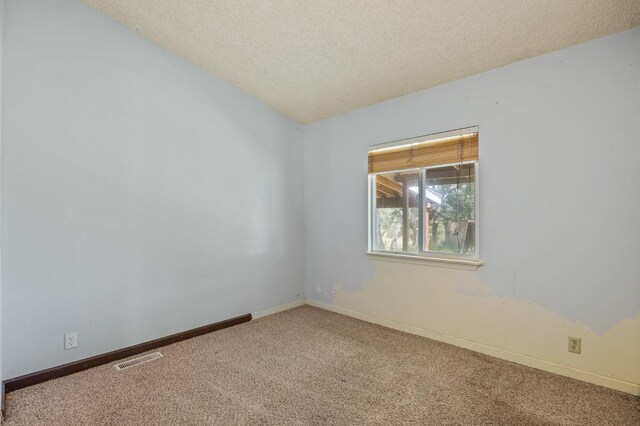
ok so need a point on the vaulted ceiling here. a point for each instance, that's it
(312, 59)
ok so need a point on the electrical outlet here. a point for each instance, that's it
(575, 345)
(318, 289)
(335, 292)
(71, 340)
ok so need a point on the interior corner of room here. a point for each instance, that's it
(293, 225)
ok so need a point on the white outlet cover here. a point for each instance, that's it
(71, 340)
(318, 289)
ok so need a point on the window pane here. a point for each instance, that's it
(396, 212)
(450, 209)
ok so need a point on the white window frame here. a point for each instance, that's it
(465, 261)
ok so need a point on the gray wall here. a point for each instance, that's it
(559, 203)
(140, 196)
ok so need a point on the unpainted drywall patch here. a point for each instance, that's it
(457, 304)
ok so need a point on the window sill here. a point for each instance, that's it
(465, 264)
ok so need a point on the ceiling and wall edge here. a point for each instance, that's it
(313, 60)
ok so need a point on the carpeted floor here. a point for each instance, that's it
(308, 366)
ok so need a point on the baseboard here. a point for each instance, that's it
(77, 366)
(279, 308)
(84, 364)
(552, 367)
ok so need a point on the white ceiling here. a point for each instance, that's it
(312, 59)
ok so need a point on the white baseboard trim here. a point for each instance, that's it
(276, 309)
(552, 367)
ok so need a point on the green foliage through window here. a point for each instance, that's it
(449, 203)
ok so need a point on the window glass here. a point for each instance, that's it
(423, 195)
(396, 212)
(450, 209)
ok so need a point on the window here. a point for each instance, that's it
(423, 196)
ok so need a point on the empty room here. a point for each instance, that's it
(336, 212)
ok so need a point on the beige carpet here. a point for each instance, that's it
(307, 366)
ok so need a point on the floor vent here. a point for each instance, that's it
(138, 361)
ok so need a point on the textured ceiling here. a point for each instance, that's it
(312, 59)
